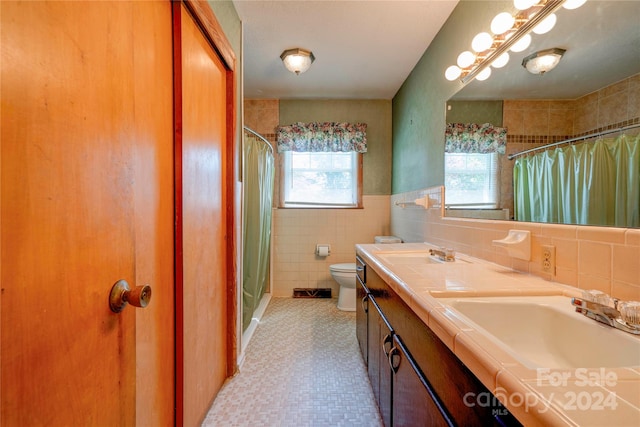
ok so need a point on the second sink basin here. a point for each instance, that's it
(546, 332)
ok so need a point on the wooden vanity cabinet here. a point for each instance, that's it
(411, 396)
(380, 373)
(420, 358)
(375, 338)
(362, 307)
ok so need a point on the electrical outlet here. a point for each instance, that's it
(549, 259)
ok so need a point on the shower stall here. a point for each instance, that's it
(258, 178)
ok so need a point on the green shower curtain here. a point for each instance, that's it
(594, 183)
(258, 176)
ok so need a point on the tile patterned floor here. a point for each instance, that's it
(302, 368)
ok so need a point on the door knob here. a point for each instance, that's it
(121, 294)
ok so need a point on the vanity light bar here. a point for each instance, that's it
(549, 7)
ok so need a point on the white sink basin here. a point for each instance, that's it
(410, 257)
(546, 332)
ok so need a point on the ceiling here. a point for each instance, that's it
(363, 49)
(366, 49)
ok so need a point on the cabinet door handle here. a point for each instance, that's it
(388, 339)
(394, 359)
(364, 303)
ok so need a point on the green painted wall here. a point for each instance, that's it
(419, 106)
(226, 14)
(229, 20)
(375, 113)
(475, 112)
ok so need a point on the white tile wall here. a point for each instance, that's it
(297, 231)
(587, 257)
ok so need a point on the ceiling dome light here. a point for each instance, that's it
(573, 4)
(543, 61)
(524, 4)
(546, 25)
(502, 23)
(484, 74)
(501, 60)
(465, 59)
(481, 42)
(297, 60)
(452, 73)
(522, 44)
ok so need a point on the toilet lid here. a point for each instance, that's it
(349, 267)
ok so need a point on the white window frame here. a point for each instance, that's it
(285, 184)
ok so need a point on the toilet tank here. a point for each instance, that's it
(387, 239)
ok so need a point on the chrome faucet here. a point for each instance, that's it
(444, 254)
(605, 314)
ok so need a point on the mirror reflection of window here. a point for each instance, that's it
(472, 180)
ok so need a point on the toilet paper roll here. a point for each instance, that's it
(322, 250)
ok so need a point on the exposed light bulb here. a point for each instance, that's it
(573, 4)
(502, 23)
(481, 42)
(484, 74)
(465, 59)
(501, 60)
(522, 44)
(452, 73)
(546, 25)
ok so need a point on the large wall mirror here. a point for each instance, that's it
(594, 89)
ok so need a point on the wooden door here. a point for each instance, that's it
(73, 177)
(204, 169)
(154, 212)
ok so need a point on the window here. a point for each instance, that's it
(321, 164)
(472, 180)
(321, 179)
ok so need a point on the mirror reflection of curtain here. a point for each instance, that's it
(258, 176)
(595, 183)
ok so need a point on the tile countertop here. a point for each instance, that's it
(585, 397)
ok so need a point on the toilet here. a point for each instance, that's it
(345, 275)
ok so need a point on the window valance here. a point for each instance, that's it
(322, 137)
(475, 138)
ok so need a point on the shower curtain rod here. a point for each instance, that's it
(262, 138)
(578, 138)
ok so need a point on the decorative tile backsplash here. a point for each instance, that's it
(587, 257)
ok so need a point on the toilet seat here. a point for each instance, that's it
(349, 267)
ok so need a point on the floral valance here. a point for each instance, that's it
(475, 138)
(327, 136)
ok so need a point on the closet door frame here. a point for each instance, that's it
(204, 18)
